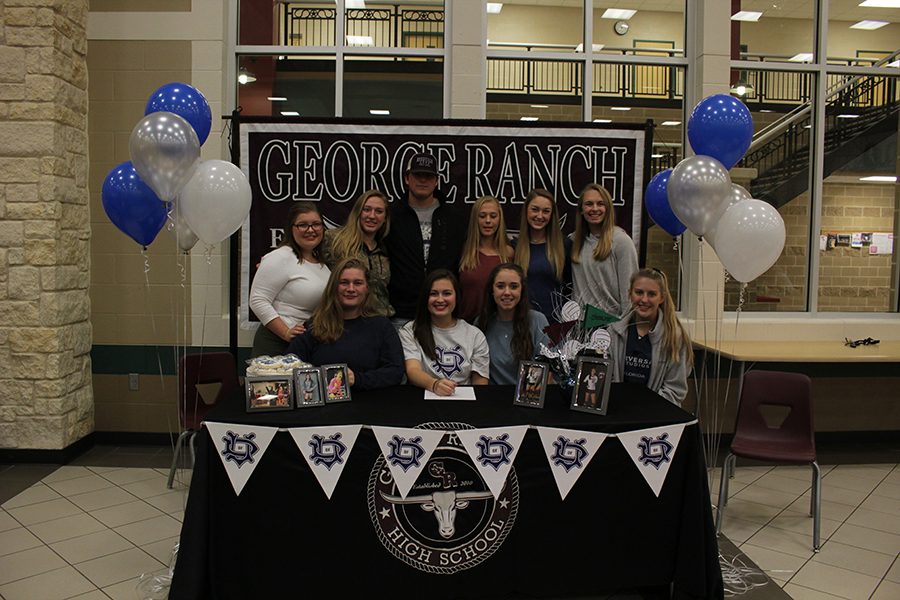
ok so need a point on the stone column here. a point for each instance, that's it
(46, 400)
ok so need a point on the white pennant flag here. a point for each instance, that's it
(240, 448)
(406, 452)
(493, 451)
(653, 451)
(326, 450)
(569, 452)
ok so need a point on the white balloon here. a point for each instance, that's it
(164, 151)
(216, 200)
(185, 238)
(698, 189)
(738, 194)
(749, 239)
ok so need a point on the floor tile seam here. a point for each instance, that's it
(68, 538)
(65, 562)
(133, 546)
(69, 498)
(806, 587)
(120, 580)
(67, 565)
(132, 522)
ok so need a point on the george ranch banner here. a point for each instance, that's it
(333, 162)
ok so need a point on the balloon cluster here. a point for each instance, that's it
(747, 234)
(165, 180)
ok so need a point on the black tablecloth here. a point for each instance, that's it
(282, 538)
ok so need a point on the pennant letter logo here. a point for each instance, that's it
(326, 451)
(406, 452)
(569, 452)
(493, 451)
(240, 448)
(652, 451)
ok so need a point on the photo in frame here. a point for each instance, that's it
(531, 384)
(591, 392)
(308, 387)
(337, 383)
(269, 392)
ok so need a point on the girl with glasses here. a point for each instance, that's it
(289, 282)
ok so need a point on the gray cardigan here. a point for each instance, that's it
(668, 379)
(604, 283)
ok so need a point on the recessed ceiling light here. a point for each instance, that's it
(528, 118)
(848, 116)
(802, 57)
(869, 25)
(765, 110)
(880, 3)
(619, 108)
(880, 178)
(277, 99)
(290, 113)
(671, 123)
(657, 155)
(360, 40)
(354, 4)
(746, 15)
(539, 106)
(618, 13)
(379, 111)
(602, 120)
(494, 8)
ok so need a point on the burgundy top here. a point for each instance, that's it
(472, 283)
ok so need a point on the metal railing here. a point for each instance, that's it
(390, 26)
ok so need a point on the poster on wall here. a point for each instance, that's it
(331, 162)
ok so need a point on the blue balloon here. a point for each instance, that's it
(131, 205)
(187, 102)
(721, 126)
(657, 201)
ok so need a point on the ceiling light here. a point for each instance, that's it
(379, 111)
(671, 123)
(354, 4)
(245, 76)
(594, 47)
(277, 98)
(528, 118)
(619, 108)
(848, 116)
(765, 110)
(290, 113)
(602, 120)
(539, 106)
(360, 40)
(746, 15)
(802, 57)
(880, 178)
(741, 88)
(618, 13)
(869, 25)
(880, 3)
(657, 155)
(494, 8)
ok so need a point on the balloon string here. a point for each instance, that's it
(208, 253)
(146, 266)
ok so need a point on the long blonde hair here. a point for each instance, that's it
(473, 238)
(556, 252)
(348, 240)
(675, 338)
(328, 318)
(607, 226)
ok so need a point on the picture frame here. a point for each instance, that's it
(308, 387)
(336, 380)
(591, 393)
(531, 383)
(267, 393)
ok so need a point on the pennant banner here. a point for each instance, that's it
(652, 451)
(240, 448)
(406, 452)
(594, 317)
(326, 450)
(569, 452)
(493, 451)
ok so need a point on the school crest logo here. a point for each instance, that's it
(405, 453)
(494, 452)
(569, 454)
(450, 520)
(448, 361)
(239, 448)
(327, 451)
(655, 451)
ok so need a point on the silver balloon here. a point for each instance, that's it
(698, 190)
(750, 239)
(185, 238)
(165, 152)
(738, 194)
(216, 200)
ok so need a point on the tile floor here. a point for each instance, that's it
(91, 529)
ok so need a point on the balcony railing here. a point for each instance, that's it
(387, 27)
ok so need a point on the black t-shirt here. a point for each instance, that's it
(638, 357)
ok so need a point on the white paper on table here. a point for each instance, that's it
(462, 392)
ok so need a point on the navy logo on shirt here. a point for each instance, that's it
(655, 451)
(239, 448)
(327, 451)
(448, 362)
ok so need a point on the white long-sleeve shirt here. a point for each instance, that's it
(284, 287)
